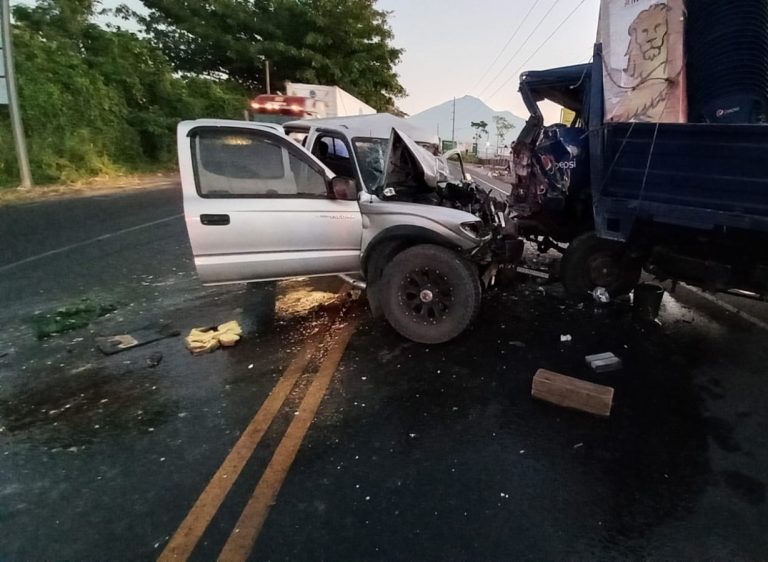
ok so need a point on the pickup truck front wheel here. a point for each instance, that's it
(430, 294)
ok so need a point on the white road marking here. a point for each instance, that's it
(729, 307)
(491, 186)
(87, 242)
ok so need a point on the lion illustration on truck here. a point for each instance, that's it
(646, 73)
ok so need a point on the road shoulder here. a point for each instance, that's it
(96, 186)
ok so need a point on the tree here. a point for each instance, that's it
(481, 130)
(503, 126)
(347, 43)
(99, 101)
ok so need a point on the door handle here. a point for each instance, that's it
(214, 220)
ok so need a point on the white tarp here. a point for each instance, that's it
(644, 60)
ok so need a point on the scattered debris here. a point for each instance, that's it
(604, 362)
(601, 295)
(206, 340)
(154, 360)
(572, 393)
(566, 338)
(533, 272)
(300, 298)
(110, 345)
(70, 318)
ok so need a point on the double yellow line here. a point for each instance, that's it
(243, 537)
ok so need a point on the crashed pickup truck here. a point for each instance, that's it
(357, 197)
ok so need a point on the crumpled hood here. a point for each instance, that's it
(412, 167)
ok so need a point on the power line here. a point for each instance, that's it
(514, 74)
(525, 42)
(504, 48)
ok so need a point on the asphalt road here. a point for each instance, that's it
(402, 452)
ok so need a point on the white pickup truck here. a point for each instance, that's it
(362, 197)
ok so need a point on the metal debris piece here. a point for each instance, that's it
(533, 272)
(109, 345)
(601, 295)
(604, 362)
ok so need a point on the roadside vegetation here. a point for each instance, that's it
(102, 100)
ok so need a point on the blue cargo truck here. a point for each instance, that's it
(685, 202)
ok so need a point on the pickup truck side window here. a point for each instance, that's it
(333, 152)
(248, 163)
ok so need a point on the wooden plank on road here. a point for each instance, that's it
(572, 393)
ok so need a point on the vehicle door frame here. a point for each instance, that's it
(208, 252)
(319, 132)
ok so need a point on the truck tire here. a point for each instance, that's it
(430, 294)
(591, 262)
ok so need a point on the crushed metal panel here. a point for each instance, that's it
(411, 165)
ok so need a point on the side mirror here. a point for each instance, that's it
(344, 189)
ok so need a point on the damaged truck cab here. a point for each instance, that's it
(356, 197)
(684, 202)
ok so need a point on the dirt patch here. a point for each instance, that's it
(10, 196)
(77, 410)
(300, 297)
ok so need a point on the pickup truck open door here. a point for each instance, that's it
(259, 207)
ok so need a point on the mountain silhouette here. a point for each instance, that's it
(469, 109)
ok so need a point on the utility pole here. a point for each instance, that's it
(269, 85)
(8, 85)
(453, 126)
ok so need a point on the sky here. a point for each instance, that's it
(450, 45)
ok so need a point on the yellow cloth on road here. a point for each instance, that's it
(206, 340)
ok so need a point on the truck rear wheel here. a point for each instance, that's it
(591, 261)
(430, 294)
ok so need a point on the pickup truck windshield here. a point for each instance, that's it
(370, 155)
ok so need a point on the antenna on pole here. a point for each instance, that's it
(8, 86)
